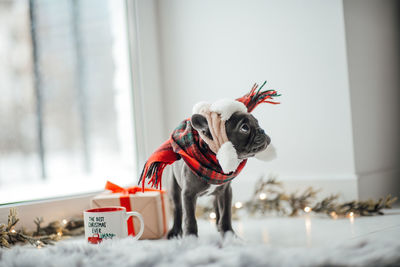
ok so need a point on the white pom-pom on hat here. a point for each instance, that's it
(228, 158)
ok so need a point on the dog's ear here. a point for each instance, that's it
(199, 122)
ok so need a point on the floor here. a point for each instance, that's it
(311, 230)
(309, 240)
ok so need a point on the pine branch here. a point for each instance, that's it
(43, 236)
(269, 196)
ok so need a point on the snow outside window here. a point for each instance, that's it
(66, 116)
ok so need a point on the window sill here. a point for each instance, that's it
(52, 209)
(56, 199)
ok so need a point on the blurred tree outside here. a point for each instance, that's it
(60, 112)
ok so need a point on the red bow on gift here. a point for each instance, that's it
(130, 190)
(126, 202)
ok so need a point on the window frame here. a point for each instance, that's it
(148, 113)
(66, 207)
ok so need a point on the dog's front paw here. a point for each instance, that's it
(191, 232)
(174, 233)
(227, 233)
(224, 227)
(230, 237)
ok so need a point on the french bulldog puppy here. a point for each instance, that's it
(185, 187)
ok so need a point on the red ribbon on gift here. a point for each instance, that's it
(125, 201)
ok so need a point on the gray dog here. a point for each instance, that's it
(185, 187)
(207, 151)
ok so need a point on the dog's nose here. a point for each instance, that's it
(268, 140)
(261, 137)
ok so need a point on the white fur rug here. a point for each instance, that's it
(206, 251)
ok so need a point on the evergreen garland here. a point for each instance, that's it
(43, 236)
(269, 197)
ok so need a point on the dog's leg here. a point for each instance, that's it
(175, 195)
(224, 198)
(189, 203)
(216, 209)
(192, 186)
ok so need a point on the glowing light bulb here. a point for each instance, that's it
(333, 215)
(59, 233)
(351, 217)
(39, 244)
(64, 221)
(263, 196)
(307, 209)
(213, 215)
(13, 231)
(238, 205)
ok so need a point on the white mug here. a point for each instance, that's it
(109, 223)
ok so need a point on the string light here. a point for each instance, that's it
(59, 233)
(238, 205)
(263, 196)
(213, 215)
(333, 215)
(350, 215)
(307, 209)
(13, 231)
(39, 244)
(64, 221)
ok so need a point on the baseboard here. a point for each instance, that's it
(349, 187)
(345, 186)
(379, 184)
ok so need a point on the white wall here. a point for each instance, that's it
(373, 42)
(215, 49)
(208, 49)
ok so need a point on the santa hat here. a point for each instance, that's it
(218, 113)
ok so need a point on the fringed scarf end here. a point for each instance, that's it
(152, 171)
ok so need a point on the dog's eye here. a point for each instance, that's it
(244, 128)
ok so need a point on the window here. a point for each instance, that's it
(66, 116)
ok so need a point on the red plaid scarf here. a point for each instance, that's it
(185, 143)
